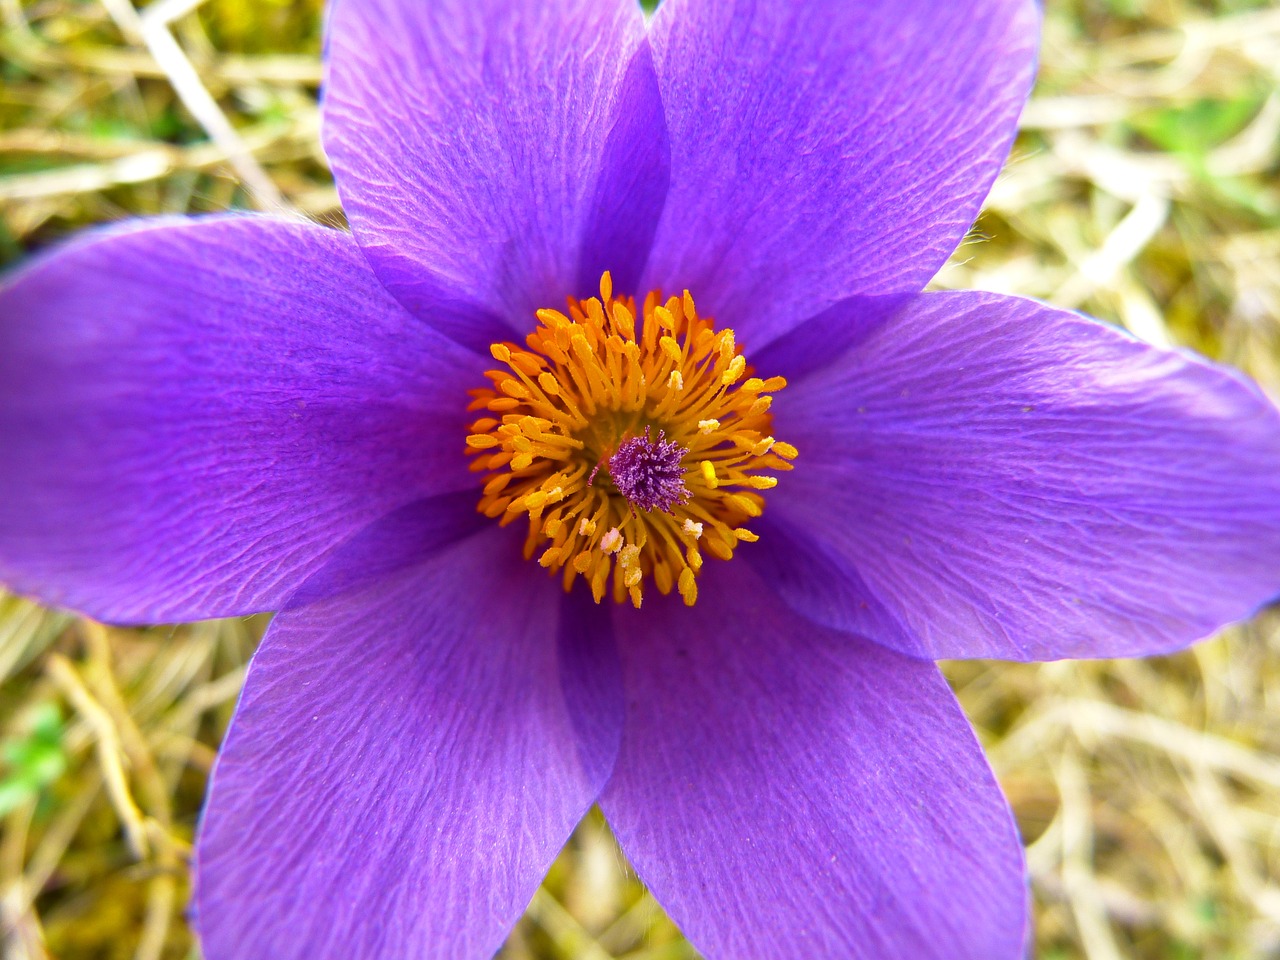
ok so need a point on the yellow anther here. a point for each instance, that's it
(785, 450)
(497, 483)
(709, 474)
(736, 366)
(598, 579)
(553, 319)
(539, 499)
(727, 344)
(500, 352)
(675, 381)
(671, 348)
(692, 528)
(708, 427)
(662, 578)
(719, 548)
(762, 483)
(482, 441)
(745, 535)
(693, 556)
(688, 586)
(748, 506)
(526, 363)
(586, 527)
(611, 542)
(628, 556)
(624, 321)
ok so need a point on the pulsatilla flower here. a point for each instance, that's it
(616, 456)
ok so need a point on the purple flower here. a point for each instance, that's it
(215, 417)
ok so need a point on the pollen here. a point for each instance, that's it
(631, 442)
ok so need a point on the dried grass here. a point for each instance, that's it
(1143, 190)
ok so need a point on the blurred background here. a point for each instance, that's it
(1143, 189)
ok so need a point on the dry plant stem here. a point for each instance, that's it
(153, 28)
(111, 756)
(1078, 876)
(137, 167)
(166, 852)
(564, 930)
(52, 844)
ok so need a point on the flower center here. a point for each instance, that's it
(631, 447)
(650, 473)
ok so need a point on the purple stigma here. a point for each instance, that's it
(649, 472)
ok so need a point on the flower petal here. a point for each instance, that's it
(787, 791)
(823, 149)
(471, 140)
(1003, 479)
(403, 766)
(196, 411)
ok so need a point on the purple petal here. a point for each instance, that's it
(635, 174)
(195, 412)
(787, 791)
(986, 476)
(478, 143)
(403, 766)
(823, 149)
